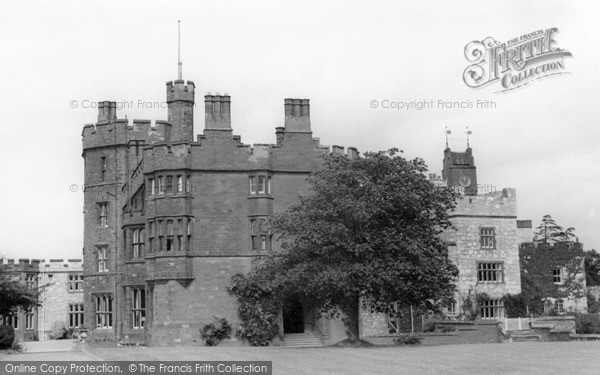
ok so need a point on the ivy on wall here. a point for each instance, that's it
(538, 262)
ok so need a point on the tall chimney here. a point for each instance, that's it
(217, 112)
(107, 111)
(297, 115)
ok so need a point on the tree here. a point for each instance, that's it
(366, 236)
(592, 268)
(14, 294)
(550, 232)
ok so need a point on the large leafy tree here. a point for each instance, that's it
(366, 235)
(14, 294)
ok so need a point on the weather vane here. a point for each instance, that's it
(447, 132)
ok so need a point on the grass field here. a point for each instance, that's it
(515, 358)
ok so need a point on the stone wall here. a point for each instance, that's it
(51, 278)
(554, 328)
(497, 210)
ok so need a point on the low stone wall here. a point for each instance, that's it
(554, 328)
(586, 337)
(477, 332)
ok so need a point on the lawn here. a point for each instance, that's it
(515, 358)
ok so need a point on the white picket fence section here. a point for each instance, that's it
(516, 324)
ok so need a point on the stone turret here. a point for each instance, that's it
(180, 100)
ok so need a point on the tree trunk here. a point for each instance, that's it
(353, 319)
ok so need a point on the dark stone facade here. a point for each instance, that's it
(169, 219)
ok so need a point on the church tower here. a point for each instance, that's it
(460, 171)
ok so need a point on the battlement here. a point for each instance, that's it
(119, 132)
(166, 156)
(24, 264)
(297, 115)
(497, 204)
(339, 150)
(62, 264)
(178, 91)
(21, 262)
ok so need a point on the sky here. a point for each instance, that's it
(352, 59)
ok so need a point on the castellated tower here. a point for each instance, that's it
(460, 171)
(180, 100)
(113, 155)
(169, 219)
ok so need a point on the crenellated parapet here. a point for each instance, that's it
(495, 204)
(39, 265)
(352, 152)
(17, 266)
(53, 265)
(120, 132)
(162, 156)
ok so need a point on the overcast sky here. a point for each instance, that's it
(542, 139)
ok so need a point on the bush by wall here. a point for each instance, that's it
(58, 331)
(214, 333)
(587, 323)
(258, 311)
(7, 337)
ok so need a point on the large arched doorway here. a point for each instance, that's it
(293, 316)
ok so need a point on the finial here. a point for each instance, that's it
(447, 132)
(179, 49)
(467, 133)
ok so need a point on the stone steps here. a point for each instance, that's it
(301, 340)
(523, 336)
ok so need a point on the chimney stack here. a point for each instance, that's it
(217, 112)
(297, 115)
(279, 135)
(107, 111)
(338, 150)
(352, 152)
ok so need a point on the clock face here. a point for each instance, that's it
(464, 181)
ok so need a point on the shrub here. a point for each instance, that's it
(258, 311)
(592, 303)
(407, 340)
(58, 331)
(429, 325)
(515, 305)
(213, 334)
(7, 336)
(16, 347)
(587, 323)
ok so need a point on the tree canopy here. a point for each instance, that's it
(14, 294)
(549, 232)
(366, 234)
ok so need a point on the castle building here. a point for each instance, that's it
(60, 286)
(485, 242)
(483, 245)
(169, 218)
